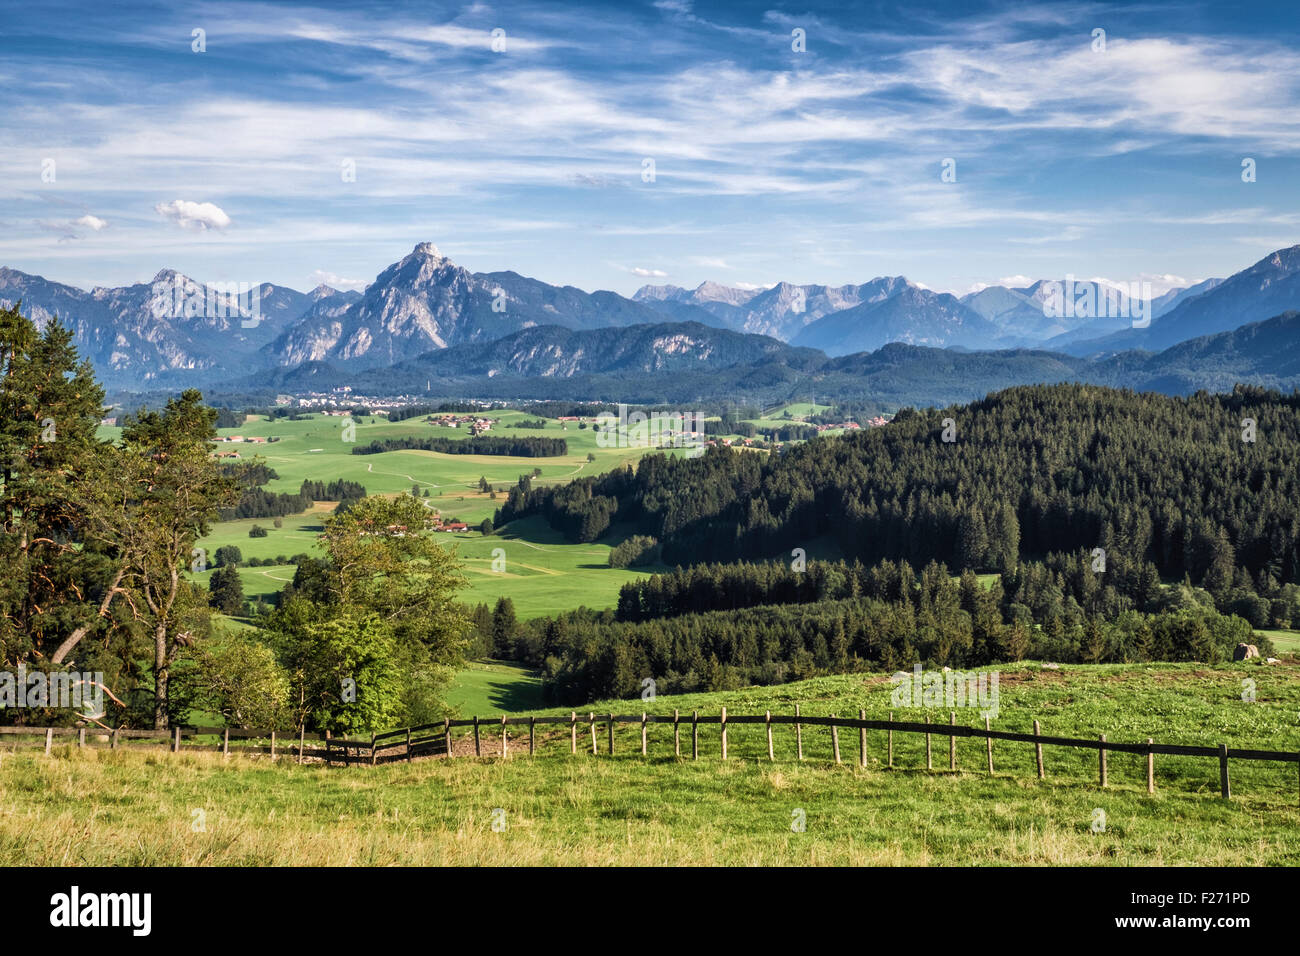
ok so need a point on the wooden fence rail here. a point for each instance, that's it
(353, 751)
(436, 739)
(295, 745)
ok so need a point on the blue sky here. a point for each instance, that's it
(769, 164)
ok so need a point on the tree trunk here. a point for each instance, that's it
(161, 673)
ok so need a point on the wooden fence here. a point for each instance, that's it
(228, 739)
(437, 739)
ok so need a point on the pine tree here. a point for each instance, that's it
(505, 626)
(58, 575)
(226, 590)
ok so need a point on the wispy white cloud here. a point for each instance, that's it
(336, 281)
(746, 136)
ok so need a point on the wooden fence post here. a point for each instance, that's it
(835, 739)
(374, 753)
(1101, 760)
(81, 737)
(862, 739)
(302, 741)
(505, 742)
(176, 739)
(273, 745)
(113, 744)
(929, 764)
(611, 735)
(1038, 752)
(591, 718)
(724, 733)
(695, 735)
(478, 752)
(531, 721)
(573, 732)
(1151, 767)
(49, 739)
(408, 744)
(643, 729)
(771, 754)
(225, 743)
(1223, 772)
(798, 732)
(677, 737)
(952, 740)
(891, 741)
(446, 735)
(988, 728)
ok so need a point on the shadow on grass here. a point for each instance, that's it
(515, 697)
(507, 692)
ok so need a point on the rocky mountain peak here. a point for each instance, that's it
(427, 249)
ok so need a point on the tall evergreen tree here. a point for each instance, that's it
(504, 628)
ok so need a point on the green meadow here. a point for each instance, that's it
(1286, 642)
(492, 688)
(528, 561)
(136, 806)
(315, 449)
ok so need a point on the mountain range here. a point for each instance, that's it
(677, 362)
(424, 318)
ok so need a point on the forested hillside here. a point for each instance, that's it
(1029, 471)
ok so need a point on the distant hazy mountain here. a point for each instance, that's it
(171, 330)
(1268, 288)
(911, 315)
(280, 304)
(142, 336)
(710, 303)
(667, 361)
(1265, 353)
(1017, 316)
(1176, 297)
(1109, 325)
(1021, 314)
(849, 318)
(685, 362)
(326, 302)
(555, 352)
(781, 311)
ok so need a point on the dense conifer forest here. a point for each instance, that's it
(1030, 471)
(519, 446)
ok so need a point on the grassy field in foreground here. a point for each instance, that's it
(138, 808)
